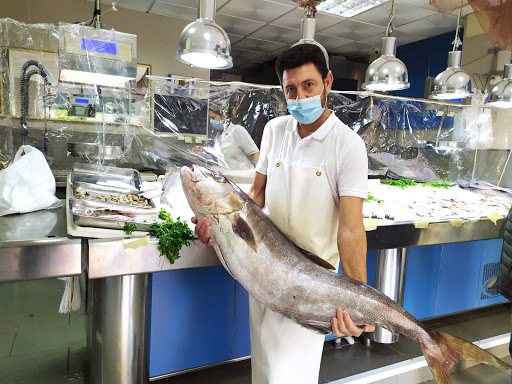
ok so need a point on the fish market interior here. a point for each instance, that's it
(255, 191)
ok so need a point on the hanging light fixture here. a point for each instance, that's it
(500, 95)
(453, 82)
(307, 32)
(204, 43)
(387, 73)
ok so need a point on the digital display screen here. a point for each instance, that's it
(99, 46)
(82, 101)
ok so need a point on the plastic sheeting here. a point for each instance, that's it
(162, 123)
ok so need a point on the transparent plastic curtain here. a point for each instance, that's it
(167, 122)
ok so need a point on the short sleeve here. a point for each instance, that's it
(353, 174)
(265, 146)
(245, 142)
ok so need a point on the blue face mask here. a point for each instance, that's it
(306, 111)
(216, 124)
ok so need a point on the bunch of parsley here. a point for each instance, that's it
(172, 235)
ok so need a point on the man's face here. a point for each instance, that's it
(305, 81)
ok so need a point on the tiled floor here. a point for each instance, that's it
(38, 345)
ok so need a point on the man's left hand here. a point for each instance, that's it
(342, 325)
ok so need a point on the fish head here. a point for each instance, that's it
(210, 193)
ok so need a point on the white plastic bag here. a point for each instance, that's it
(28, 184)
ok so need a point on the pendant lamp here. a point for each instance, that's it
(203, 43)
(500, 95)
(387, 73)
(453, 82)
(307, 32)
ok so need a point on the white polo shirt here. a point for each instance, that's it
(346, 163)
(236, 146)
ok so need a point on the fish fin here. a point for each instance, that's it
(320, 327)
(242, 229)
(317, 260)
(443, 351)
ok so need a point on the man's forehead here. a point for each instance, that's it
(300, 74)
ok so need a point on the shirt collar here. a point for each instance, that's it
(321, 132)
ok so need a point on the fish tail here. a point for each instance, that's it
(442, 351)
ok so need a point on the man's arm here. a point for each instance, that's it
(352, 238)
(257, 191)
(352, 250)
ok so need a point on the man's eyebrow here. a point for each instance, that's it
(308, 81)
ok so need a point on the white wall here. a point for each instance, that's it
(157, 36)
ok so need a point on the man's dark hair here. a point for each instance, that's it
(298, 56)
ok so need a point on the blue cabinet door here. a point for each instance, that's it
(191, 319)
(459, 278)
(241, 332)
(421, 280)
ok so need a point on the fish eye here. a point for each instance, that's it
(218, 177)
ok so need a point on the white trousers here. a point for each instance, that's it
(282, 351)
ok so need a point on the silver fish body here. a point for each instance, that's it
(299, 286)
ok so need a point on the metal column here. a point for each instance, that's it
(117, 335)
(390, 280)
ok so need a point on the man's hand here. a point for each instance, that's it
(342, 325)
(203, 230)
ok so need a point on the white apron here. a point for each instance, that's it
(299, 202)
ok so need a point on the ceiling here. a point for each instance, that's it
(259, 30)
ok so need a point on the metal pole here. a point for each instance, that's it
(97, 14)
(390, 280)
(117, 334)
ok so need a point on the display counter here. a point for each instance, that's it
(36, 245)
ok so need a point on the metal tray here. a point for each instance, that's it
(92, 173)
(95, 151)
(78, 206)
(96, 190)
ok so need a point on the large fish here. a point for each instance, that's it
(297, 284)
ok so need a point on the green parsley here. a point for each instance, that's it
(371, 198)
(172, 235)
(129, 228)
(404, 183)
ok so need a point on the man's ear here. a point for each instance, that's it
(328, 82)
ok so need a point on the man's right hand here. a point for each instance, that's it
(203, 230)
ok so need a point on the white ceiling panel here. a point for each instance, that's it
(261, 10)
(237, 25)
(277, 33)
(354, 49)
(331, 42)
(292, 19)
(353, 30)
(187, 3)
(426, 4)
(176, 11)
(404, 13)
(234, 38)
(277, 52)
(258, 45)
(264, 58)
(402, 38)
(431, 26)
(134, 5)
(245, 55)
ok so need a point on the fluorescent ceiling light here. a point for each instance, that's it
(348, 8)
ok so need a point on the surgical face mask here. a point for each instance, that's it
(216, 124)
(306, 111)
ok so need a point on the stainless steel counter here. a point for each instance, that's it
(36, 245)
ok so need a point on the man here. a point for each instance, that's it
(311, 180)
(232, 143)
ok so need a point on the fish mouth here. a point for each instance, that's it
(194, 173)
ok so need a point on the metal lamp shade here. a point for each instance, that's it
(387, 73)
(500, 95)
(453, 82)
(203, 43)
